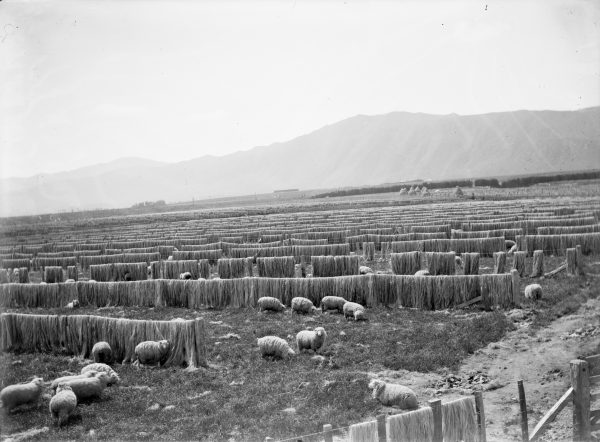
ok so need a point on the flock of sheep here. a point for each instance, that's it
(387, 393)
(87, 385)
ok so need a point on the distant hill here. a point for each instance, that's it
(362, 150)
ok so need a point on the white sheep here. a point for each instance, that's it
(302, 305)
(98, 367)
(170, 258)
(275, 346)
(62, 404)
(394, 395)
(101, 352)
(423, 273)
(354, 310)
(311, 339)
(152, 352)
(533, 291)
(63, 379)
(364, 270)
(69, 281)
(185, 275)
(20, 394)
(92, 280)
(269, 303)
(333, 303)
(88, 388)
(73, 304)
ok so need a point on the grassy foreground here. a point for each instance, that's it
(242, 396)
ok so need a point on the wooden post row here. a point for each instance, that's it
(436, 408)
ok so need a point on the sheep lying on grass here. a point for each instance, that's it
(271, 304)
(394, 395)
(185, 275)
(99, 367)
(311, 339)
(88, 388)
(275, 346)
(64, 379)
(302, 305)
(21, 394)
(533, 291)
(333, 303)
(364, 270)
(152, 352)
(70, 281)
(101, 352)
(62, 404)
(73, 304)
(354, 310)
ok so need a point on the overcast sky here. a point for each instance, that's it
(84, 82)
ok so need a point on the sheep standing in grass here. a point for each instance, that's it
(394, 395)
(274, 346)
(152, 352)
(185, 275)
(269, 303)
(100, 367)
(20, 394)
(333, 303)
(101, 352)
(533, 291)
(73, 304)
(302, 305)
(88, 388)
(364, 270)
(311, 339)
(354, 310)
(62, 404)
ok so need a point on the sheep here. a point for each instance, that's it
(394, 394)
(73, 304)
(92, 280)
(152, 352)
(274, 346)
(62, 404)
(364, 270)
(302, 305)
(20, 394)
(333, 303)
(354, 310)
(269, 303)
(186, 275)
(170, 258)
(533, 291)
(311, 339)
(69, 281)
(423, 273)
(64, 379)
(98, 367)
(90, 387)
(101, 352)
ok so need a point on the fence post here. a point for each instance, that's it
(381, 428)
(580, 381)
(516, 290)
(579, 259)
(328, 433)
(523, 406)
(480, 416)
(436, 407)
(571, 262)
(537, 268)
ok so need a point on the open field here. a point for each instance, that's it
(238, 395)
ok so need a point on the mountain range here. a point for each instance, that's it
(362, 150)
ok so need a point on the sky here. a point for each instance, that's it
(85, 82)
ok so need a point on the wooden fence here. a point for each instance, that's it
(585, 375)
(379, 430)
